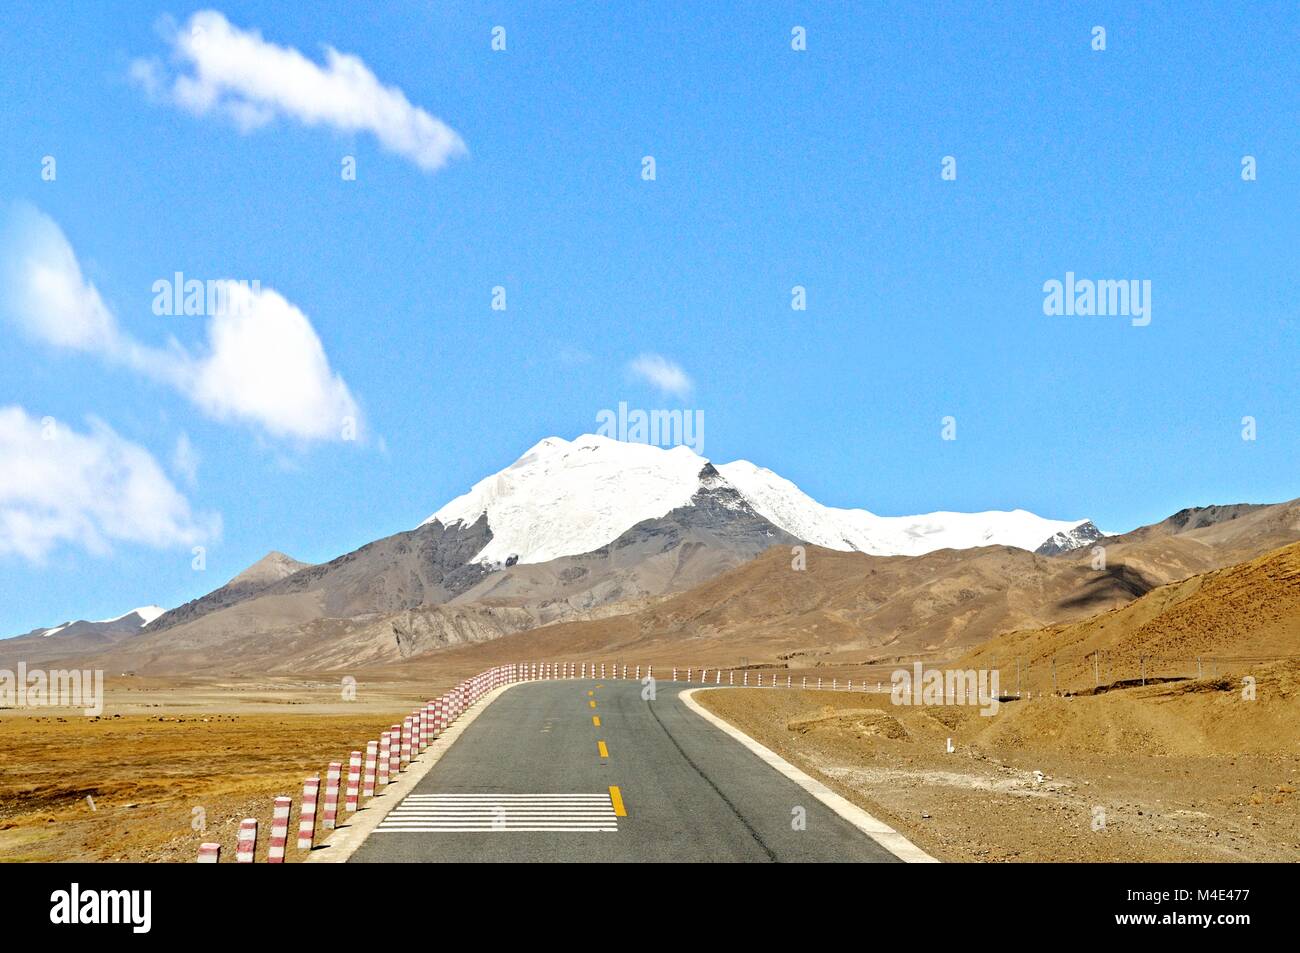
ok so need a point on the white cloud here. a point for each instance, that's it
(662, 373)
(89, 489)
(265, 363)
(262, 363)
(47, 293)
(251, 81)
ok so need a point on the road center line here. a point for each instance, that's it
(616, 799)
(604, 751)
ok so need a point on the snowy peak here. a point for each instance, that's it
(787, 506)
(1085, 534)
(127, 622)
(146, 613)
(566, 498)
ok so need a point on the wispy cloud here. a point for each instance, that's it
(262, 362)
(86, 489)
(237, 73)
(662, 373)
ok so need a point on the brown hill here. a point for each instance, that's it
(1230, 620)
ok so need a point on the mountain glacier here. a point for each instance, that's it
(568, 497)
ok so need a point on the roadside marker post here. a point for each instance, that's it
(385, 745)
(307, 813)
(394, 751)
(279, 830)
(352, 796)
(246, 848)
(744, 681)
(332, 776)
(406, 742)
(372, 759)
(209, 853)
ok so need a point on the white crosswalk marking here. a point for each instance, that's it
(520, 813)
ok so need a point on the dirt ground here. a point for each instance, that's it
(1187, 772)
(170, 765)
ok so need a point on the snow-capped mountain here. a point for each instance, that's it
(1085, 534)
(565, 498)
(72, 638)
(137, 618)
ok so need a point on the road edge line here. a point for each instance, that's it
(873, 827)
(347, 839)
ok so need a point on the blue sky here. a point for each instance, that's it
(774, 168)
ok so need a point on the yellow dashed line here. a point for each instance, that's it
(589, 694)
(600, 746)
(592, 703)
(616, 799)
(595, 720)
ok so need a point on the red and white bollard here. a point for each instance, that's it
(246, 847)
(352, 796)
(209, 853)
(279, 830)
(372, 763)
(394, 751)
(385, 749)
(731, 678)
(745, 679)
(760, 679)
(333, 774)
(674, 675)
(307, 813)
(406, 742)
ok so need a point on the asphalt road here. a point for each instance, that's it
(530, 780)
